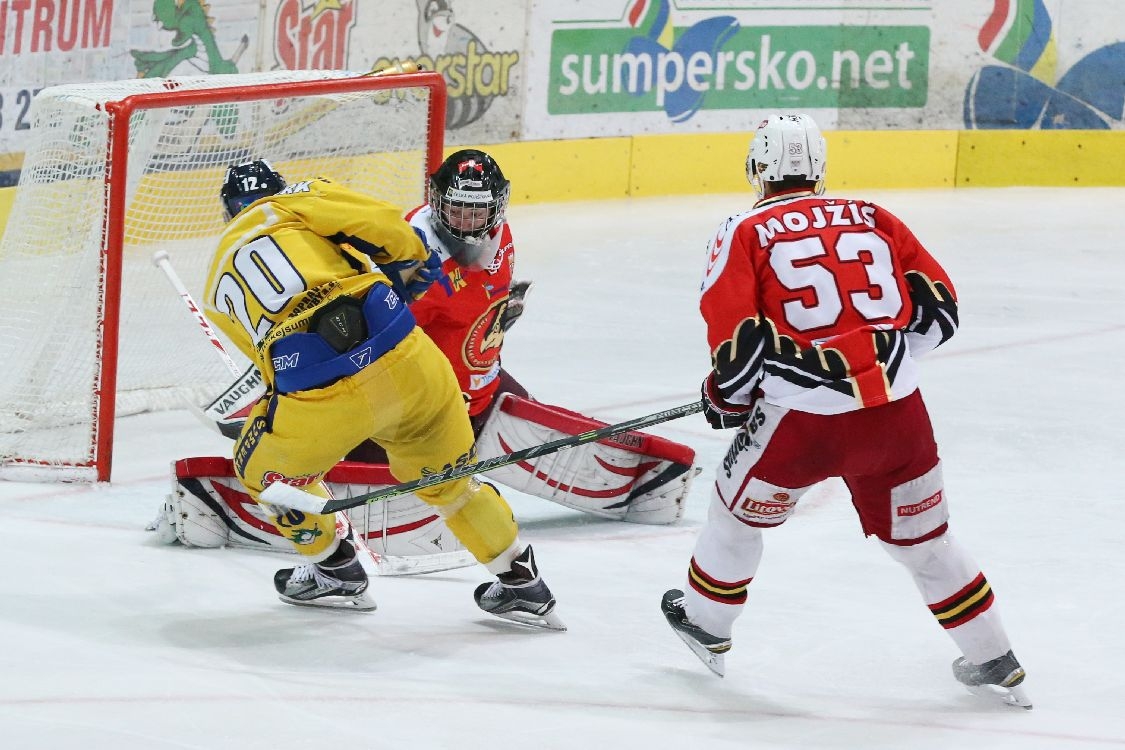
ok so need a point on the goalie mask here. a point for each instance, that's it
(469, 195)
(246, 183)
(786, 147)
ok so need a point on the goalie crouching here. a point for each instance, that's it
(633, 477)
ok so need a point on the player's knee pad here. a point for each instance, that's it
(762, 504)
(935, 560)
(728, 529)
(482, 520)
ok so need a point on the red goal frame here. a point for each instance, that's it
(114, 197)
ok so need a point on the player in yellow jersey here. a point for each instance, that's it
(309, 282)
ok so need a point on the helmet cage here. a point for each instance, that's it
(469, 195)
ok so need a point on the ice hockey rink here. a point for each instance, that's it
(112, 641)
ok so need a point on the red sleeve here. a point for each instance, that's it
(730, 283)
(912, 255)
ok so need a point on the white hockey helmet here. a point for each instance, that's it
(784, 147)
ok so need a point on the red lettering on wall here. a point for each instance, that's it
(31, 26)
(305, 39)
(41, 25)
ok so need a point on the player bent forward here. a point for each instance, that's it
(309, 281)
(823, 385)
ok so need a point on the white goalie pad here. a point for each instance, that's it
(633, 476)
(209, 507)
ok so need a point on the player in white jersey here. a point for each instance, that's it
(816, 310)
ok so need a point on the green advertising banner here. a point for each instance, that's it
(720, 64)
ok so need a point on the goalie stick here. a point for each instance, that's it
(288, 496)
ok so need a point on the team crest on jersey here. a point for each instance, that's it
(717, 251)
(482, 345)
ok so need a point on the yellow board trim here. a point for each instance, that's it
(684, 164)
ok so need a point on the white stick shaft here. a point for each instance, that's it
(161, 260)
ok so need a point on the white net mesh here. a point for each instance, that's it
(51, 262)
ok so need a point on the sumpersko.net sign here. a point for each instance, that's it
(720, 64)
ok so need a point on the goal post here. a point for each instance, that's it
(115, 171)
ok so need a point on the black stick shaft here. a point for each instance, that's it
(456, 472)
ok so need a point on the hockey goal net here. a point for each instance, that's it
(89, 328)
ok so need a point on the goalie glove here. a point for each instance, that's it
(411, 278)
(514, 309)
(720, 413)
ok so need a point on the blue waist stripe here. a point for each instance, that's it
(305, 360)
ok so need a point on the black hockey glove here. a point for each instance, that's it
(514, 309)
(934, 303)
(720, 413)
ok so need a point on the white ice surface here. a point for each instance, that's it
(110, 641)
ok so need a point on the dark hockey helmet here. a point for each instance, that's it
(246, 183)
(469, 195)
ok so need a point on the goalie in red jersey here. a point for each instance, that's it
(817, 310)
(634, 477)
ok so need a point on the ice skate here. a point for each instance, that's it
(326, 585)
(1000, 678)
(520, 595)
(708, 648)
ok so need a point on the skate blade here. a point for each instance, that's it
(1011, 696)
(549, 621)
(715, 662)
(360, 603)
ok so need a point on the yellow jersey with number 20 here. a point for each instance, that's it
(286, 255)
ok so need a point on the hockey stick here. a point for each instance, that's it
(160, 260)
(288, 496)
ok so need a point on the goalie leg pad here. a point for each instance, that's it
(209, 507)
(634, 477)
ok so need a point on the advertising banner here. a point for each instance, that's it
(542, 69)
(477, 46)
(663, 66)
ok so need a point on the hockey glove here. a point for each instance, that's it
(720, 413)
(411, 278)
(514, 309)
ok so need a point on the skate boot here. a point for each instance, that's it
(339, 582)
(1000, 678)
(708, 648)
(520, 595)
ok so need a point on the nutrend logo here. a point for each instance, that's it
(645, 62)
